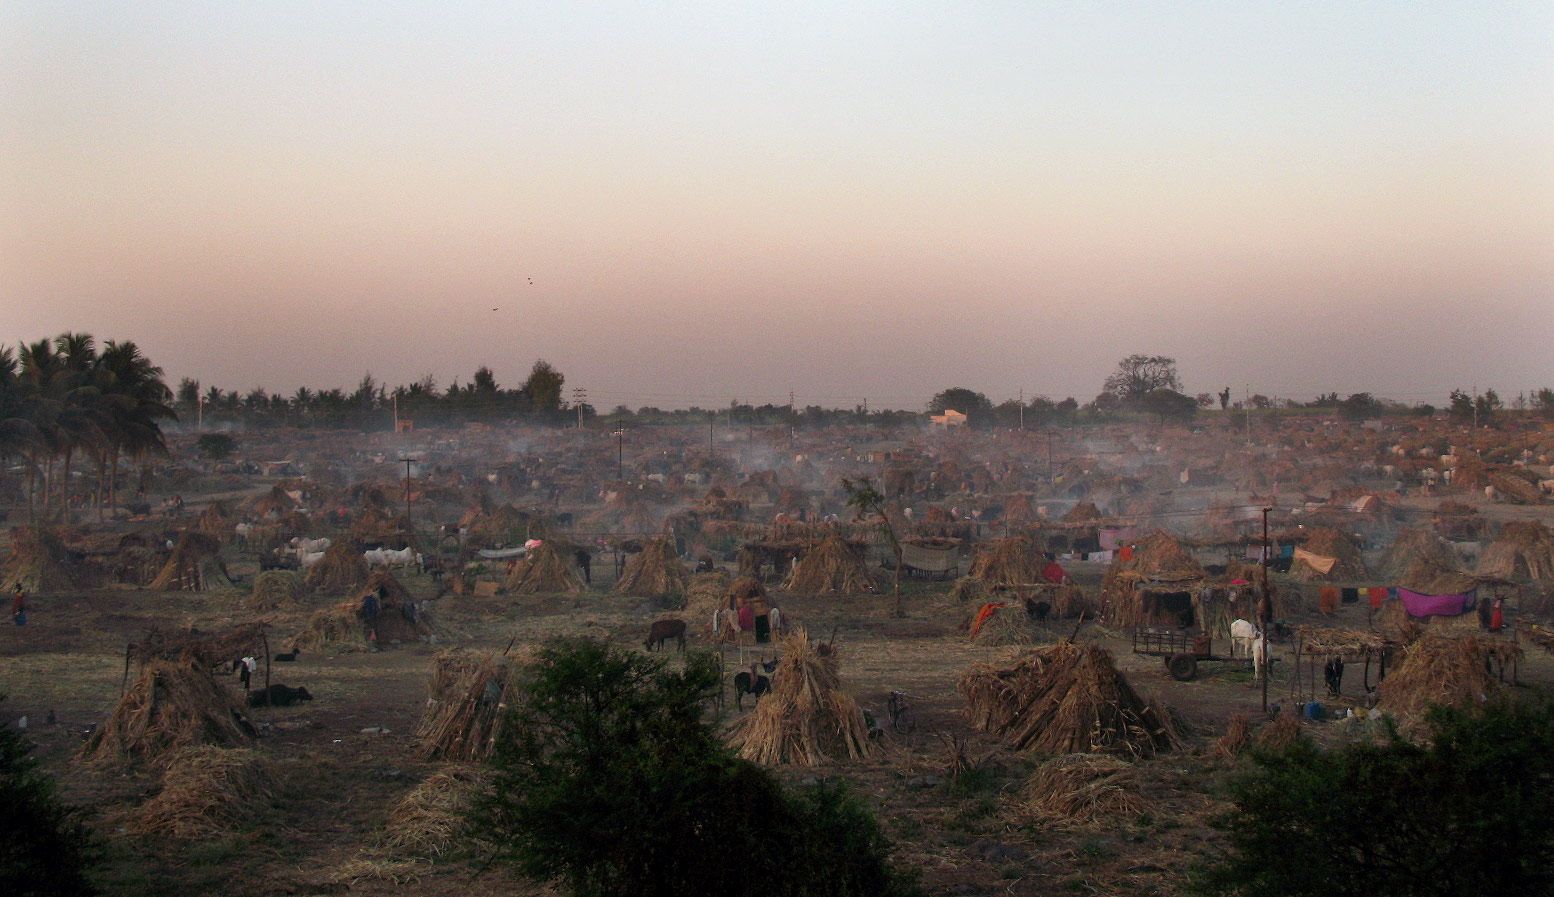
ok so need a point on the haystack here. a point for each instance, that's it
(1081, 790)
(1066, 699)
(706, 594)
(969, 589)
(343, 626)
(206, 790)
(1515, 489)
(275, 590)
(806, 719)
(1083, 512)
(544, 570)
(654, 572)
(1007, 562)
(1279, 733)
(832, 566)
(38, 563)
(339, 571)
(1006, 624)
(172, 704)
(1150, 584)
(194, 566)
(466, 706)
(215, 521)
(1449, 672)
(1328, 543)
(1413, 546)
(275, 503)
(434, 817)
(1524, 551)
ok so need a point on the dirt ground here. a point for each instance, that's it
(340, 780)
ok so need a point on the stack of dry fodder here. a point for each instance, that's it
(969, 589)
(706, 594)
(1083, 512)
(1459, 522)
(275, 503)
(1429, 576)
(38, 562)
(1515, 489)
(655, 571)
(1018, 510)
(194, 566)
(1283, 731)
(1081, 790)
(1413, 546)
(215, 521)
(206, 649)
(806, 719)
(1524, 551)
(344, 625)
(1158, 558)
(833, 565)
(1066, 699)
(545, 569)
(1471, 473)
(1012, 561)
(466, 706)
(1449, 672)
(1005, 625)
(1327, 543)
(206, 790)
(275, 590)
(340, 570)
(138, 566)
(1394, 624)
(1236, 738)
(434, 817)
(172, 704)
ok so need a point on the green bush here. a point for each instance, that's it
(1468, 811)
(609, 782)
(43, 844)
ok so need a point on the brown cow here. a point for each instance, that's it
(664, 630)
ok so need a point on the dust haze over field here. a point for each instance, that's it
(684, 206)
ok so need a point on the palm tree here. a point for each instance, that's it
(137, 398)
(16, 430)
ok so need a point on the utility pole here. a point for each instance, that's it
(199, 414)
(1248, 395)
(711, 416)
(1022, 409)
(1265, 609)
(396, 413)
(1049, 456)
(620, 451)
(1475, 406)
(407, 489)
(579, 398)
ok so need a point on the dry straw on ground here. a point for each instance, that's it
(806, 719)
(1279, 734)
(832, 566)
(1066, 699)
(1236, 738)
(1008, 625)
(654, 572)
(206, 790)
(340, 570)
(1082, 790)
(275, 590)
(466, 707)
(434, 817)
(1524, 550)
(171, 705)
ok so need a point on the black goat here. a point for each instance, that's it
(289, 656)
(277, 696)
(751, 683)
(1037, 610)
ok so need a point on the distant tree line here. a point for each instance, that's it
(63, 400)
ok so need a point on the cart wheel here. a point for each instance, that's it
(1183, 667)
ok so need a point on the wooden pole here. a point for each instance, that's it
(1265, 608)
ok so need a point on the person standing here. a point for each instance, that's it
(19, 606)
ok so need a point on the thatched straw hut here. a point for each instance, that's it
(1066, 699)
(1328, 555)
(1449, 672)
(1012, 561)
(466, 706)
(38, 563)
(654, 572)
(217, 522)
(275, 503)
(339, 571)
(205, 790)
(194, 566)
(1157, 585)
(344, 626)
(172, 704)
(832, 566)
(275, 590)
(806, 719)
(544, 570)
(706, 594)
(1413, 546)
(1523, 551)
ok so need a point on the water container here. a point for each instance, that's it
(1313, 711)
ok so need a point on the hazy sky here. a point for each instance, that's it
(844, 200)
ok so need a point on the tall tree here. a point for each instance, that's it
(1139, 375)
(544, 387)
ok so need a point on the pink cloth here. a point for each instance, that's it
(1421, 605)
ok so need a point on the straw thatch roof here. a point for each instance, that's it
(206, 790)
(340, 570)
(544, 570)
(194, 566)
(466, 706)
(1011, 561)
(1413, 546)
(654, 572)
(1326, 542)
(38, 562)
(1066, 699)
(1082, 790)
(172, 704)
(832, 566)
(343, 626)
(1159, 563)
(1438, 671)
(1523, 551)
(806, 719)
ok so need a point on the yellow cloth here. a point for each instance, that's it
(1317, 562)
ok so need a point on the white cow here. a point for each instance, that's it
(387, 557)
(1242, 633)
(308, 546)
(309, 559)
(242, 530)
(1257, 656)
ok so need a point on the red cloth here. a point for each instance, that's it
(1497, 617)
(1127, 552)
(987, 610)
(1378, 596)
(1054, 572)
(1327, 599)
(747, 617)
(18, 604)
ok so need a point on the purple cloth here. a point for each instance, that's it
(1421, 605)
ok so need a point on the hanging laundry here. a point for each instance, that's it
(1327, 599)
(1377, 595)
(1317, 562)
(1350, 596)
